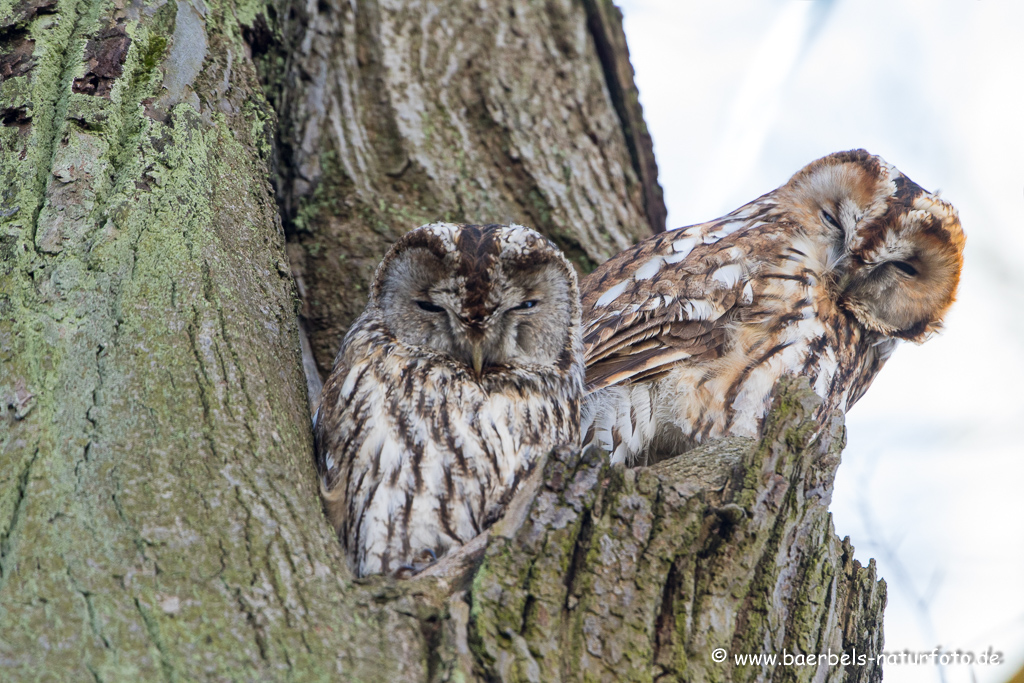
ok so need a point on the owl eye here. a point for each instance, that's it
(831, 220)
(526, 305)
(429, 307)
(905, 267)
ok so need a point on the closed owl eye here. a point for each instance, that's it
(429, 307)
(905, 267)
(526, 305)
(831, 220)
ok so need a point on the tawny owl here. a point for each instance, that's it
(465, 369)
(686, 333)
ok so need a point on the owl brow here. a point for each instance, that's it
(425, 241)
(525, 267)
(453, 291)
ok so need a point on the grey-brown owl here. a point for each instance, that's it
(686, 333)
(465, 369)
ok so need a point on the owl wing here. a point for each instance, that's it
(667, 300)
(341, 426)
(325, 423)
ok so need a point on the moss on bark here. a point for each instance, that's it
(158, 512)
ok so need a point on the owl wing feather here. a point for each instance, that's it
(681, 312)
(339, 430)
(324, 429)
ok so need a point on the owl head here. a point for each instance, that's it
(484, 296)
(897, 249)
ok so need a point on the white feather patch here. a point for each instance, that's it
(728, 275)
(649, 269)
(675, 258)
(684, 246)
(612, 294)
(698, 309)
(350, 383)
(827, 366)
(732, 226)
(748, 295)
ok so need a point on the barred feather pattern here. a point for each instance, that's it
(417, 453)
(687, 333)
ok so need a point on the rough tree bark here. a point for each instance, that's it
(158, 508)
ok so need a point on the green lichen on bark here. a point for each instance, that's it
(158, 511)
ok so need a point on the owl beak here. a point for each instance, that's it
(478, 359)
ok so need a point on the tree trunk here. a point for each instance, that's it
(159, 516)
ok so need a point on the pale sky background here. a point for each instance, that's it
(740, 94)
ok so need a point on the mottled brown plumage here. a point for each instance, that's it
(464, 371)
(686, 333)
